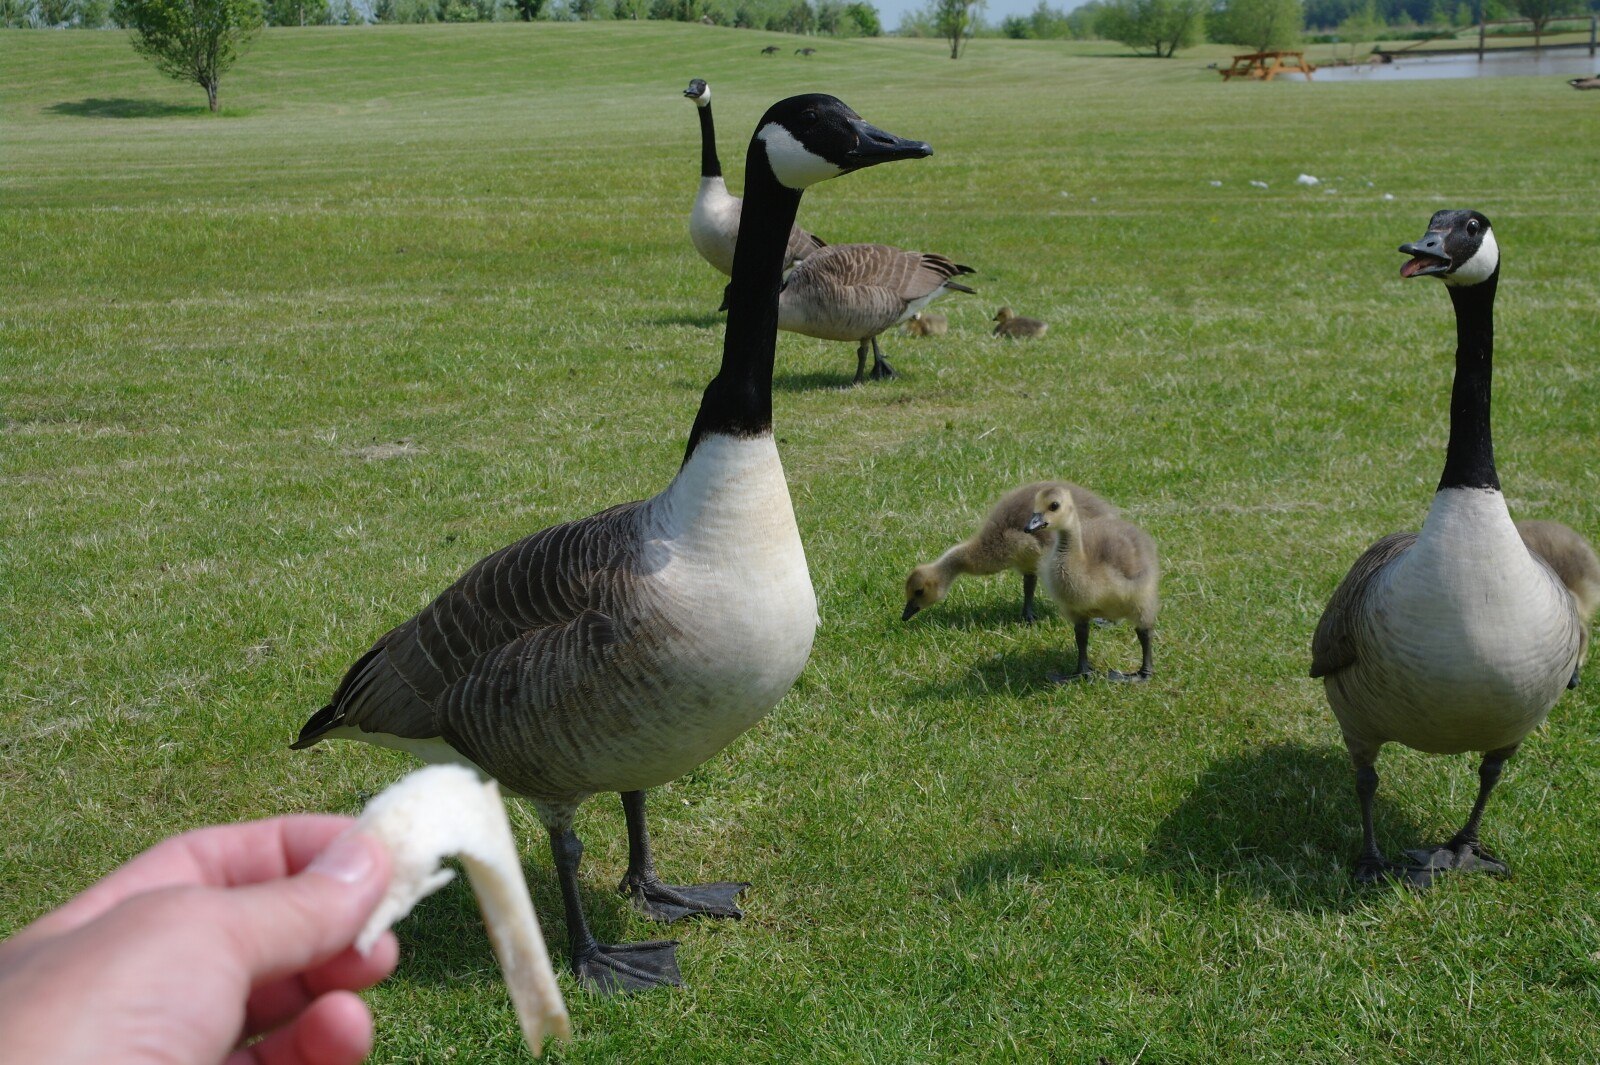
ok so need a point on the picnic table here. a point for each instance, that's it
(1264, 66)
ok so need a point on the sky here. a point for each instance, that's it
(994, 11)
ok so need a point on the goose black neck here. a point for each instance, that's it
(709, 166)
(738, 401)
(1469, 458)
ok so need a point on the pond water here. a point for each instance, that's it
(1565, 62)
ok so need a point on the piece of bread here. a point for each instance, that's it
(442, 811)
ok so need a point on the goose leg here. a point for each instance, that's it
(667, 902)
(881, 370)
(1463, 853)
(1080, 633)
(1144, 673)
(1030, 581)
(1372, 866)
(861, 362)
(606, 968)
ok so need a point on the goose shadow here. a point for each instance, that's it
(124, 107)
(994, 613)
(814, 381)
(443, 941)
(1019, 673)
(1278, 824)
(705, 320)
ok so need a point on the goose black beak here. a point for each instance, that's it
(696, 89)
(874, 146)
(909, 612)
(1428, 257)
(1035, 523)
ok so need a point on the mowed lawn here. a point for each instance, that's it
(272, 379)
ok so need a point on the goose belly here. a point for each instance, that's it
(714, 224)
(1466, 648)
(712, 640)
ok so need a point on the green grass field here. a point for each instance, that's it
(272, 379)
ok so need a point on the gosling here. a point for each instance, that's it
(1001, 543)
(1097, 567)
(1016, 327)
(1575, 562)
(927, 324)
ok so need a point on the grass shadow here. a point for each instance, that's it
(1020, 673)
(985, 615)
(124, 107)
(443, 941)
(1280, 823)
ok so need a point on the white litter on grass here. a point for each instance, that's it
(1216, 184)
(444, 810)
(1065, 194)
(1306, 179)
(1330, 192)
(1258, 184)
(1388, 195)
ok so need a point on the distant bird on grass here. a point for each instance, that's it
(805, 51)
(1015, 327)
(1585, 83)
(770, 49)
(927, 324)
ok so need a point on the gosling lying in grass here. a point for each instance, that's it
(1097, 567)
(1014, 326)
(1575, 562)
(927, 324)
(1001, 543)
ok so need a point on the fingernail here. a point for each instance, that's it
(348, 859)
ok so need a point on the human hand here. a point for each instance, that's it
(201, 943)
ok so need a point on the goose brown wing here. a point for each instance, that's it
(801, 244)
(543, 595)
(1333, 647)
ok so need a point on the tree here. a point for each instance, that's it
(296, 12)
(1541, 13)
(528, 10)
(1262, 25)
(861, 20)
(956, 21)
(191, 40)
(1162, 26)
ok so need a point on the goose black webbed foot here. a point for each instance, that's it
(1572, 681)
(1457, 856)
(1072, 678)
(671, 902)
(1137, 677)
(626, 968)
(1378, 870)
(882, 371)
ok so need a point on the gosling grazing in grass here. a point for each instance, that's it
(1101, 567)
(927, 324)
(714, 220)
(1457, 638)
(1000, 543)
(619, 651)
(1575, 562)
(1015, 327)
(856, 291)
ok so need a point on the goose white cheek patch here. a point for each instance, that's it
(792, 162)
(1478, 268)
(704, 99)
(443, 811)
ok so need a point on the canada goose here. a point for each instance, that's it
(1456, 638)
(856, 291)
(619, 651)
(805, 51)
(1016, 327)
(1575, 562)
(1101, 567)
(1585, 83)
(714, 221)
(770, 49)
(927, 324)
(999, 544)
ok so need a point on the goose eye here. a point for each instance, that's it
(1055, 506)
(1472, 225)
(808, 116)
(917, 593)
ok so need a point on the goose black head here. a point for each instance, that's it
(699, 92)
(1459, 248)
(811, 138)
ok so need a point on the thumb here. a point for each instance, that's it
(285, 926)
